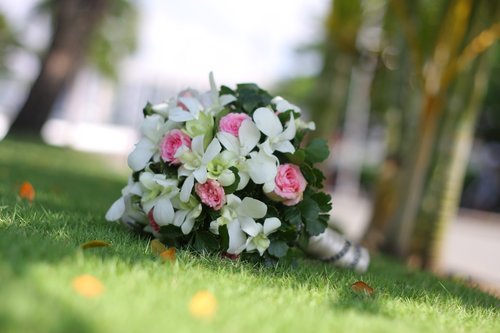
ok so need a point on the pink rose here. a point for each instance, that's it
(290, 184)
(231, 122)
(211, 194)
(171, 142)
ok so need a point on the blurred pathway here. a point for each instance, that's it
(471, 247)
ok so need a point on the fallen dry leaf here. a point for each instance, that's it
(168, 255)
(87, 286)
(361, 287)
(94, 243)
(157, 247)
(203, 305)
(27, 191)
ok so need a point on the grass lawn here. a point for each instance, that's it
(40, 256)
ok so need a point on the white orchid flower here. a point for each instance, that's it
(259, 233)
(119, 208)
(157, 193)
(269, 124)
(262, 168)
(236, 213)
(249, 136)
(153, 129)
(282, 105)
(211, 100)
(186, 214)
(190, 109)
(194, 163)
(302, 125)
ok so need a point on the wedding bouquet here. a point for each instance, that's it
(225, 171)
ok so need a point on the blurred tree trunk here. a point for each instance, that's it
(74, 22)
(445, 186)
(437, 65)
(443, 192)
(339, 51)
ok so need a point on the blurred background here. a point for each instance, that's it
(407, 93)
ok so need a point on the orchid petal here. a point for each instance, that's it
(226, 99)
(268, 186)
(271, 224)
(116, 210)
(233, 200)
(134, 188)
(237, 238)
(213, 87)
(200, 174)
(213, 150)
(139, 158)
(244, 179)
(152, 127)
(197, 145)
(180, 115)
(267, 122)
(163, 212)
(147, 180)
(187, 226)
(186, 189)
(214, 227)
(289, 132)
(262, 168)
(252, 207)
(249, 226)
(282, 105)
(249, 136)
(192, 104)
(229, 141)
(284, 147)
(180, 217)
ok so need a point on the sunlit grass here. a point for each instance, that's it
(40, 256)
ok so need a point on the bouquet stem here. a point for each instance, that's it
(332, 247)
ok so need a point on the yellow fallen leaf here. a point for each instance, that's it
(168, 255)
(87, 286)
(361, 287)
(27, 191)
(94, 243)
(157, 247)
(203, 305)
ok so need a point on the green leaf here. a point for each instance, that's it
(225, 90)
(171, 231)
(310, 212)
(292, 215)
(323, 200)
(148, 109)
(308, 173)
(319, 177)
(298, 157)
(317, 151)
(205, 241)
(224, 237)
(278, 249)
